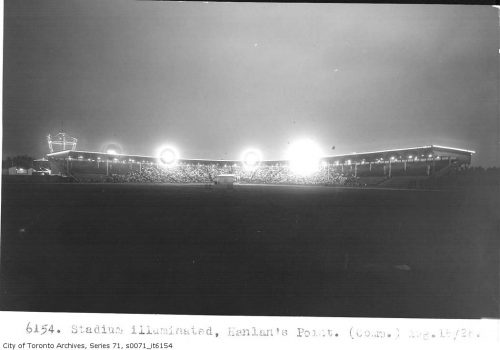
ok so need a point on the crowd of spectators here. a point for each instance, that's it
(203, 173)
(177, 174)
(283, 175)
(265, 174)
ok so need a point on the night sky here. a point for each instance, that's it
(215, 78)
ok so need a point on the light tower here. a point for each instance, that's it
(61, 142)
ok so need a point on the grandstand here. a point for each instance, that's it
(406, 167)
(414, 167)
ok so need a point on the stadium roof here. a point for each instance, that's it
(410, 149)
(97, 153)
(421, 152)
(430, 151)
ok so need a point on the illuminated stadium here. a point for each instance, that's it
(307, 235)
(374, 234)
(406, 167)
(196, 174)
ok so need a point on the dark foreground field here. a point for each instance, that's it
(254, 250)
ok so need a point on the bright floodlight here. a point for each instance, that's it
(304, 157)
(251, 158)
(167, 156)
(112, 148)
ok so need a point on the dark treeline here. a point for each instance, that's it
(472, 176)
(23, 161)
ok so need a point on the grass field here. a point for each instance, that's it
(254, 250)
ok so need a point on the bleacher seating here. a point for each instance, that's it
(440, 165)
(377, 169)
(398, 169)
(57, 166)
(417, 168)
(86, 167)
(363, 170)
(366, 174)
(89, 171)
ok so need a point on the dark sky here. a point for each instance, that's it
(216, 78)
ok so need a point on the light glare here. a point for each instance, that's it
(112, 148)
(251, 158)
(167, 156)
(304, 157)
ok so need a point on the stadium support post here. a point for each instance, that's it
(390, 168)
